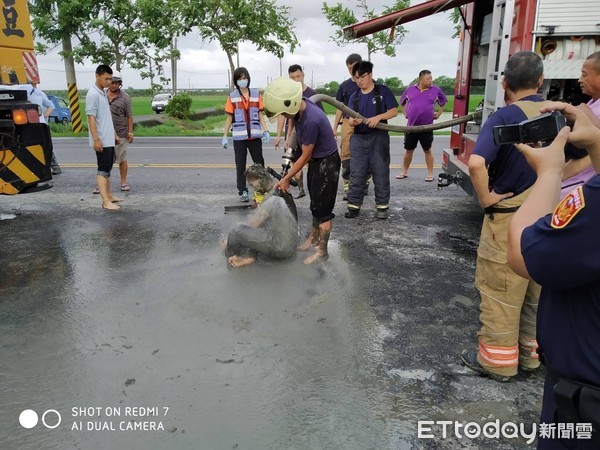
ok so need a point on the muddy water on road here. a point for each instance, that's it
(141, 310)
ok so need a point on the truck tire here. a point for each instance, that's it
(65, 121)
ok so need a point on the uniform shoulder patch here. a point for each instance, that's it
(568, 208)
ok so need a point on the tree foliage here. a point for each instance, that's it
(330, 88)
(116, 32)
(229, 22)
(341, 16)
(456, 19)
(179, 106)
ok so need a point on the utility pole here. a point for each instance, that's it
(174, 66)
(76, 125)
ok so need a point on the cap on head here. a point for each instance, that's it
(282, 95)
(116, 76)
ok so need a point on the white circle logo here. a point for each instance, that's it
(57, 422)
(28, 418)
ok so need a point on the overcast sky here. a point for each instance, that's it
(427, 45)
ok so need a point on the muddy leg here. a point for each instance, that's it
(321, 254)
(313, 237)
(300, 180)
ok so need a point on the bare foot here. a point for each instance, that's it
(116, 199)
(306, 245)
(238, 261)
(223, 244)
(110, 206)
(316, 257)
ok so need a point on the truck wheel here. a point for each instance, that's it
(157, 112)
(65, 121)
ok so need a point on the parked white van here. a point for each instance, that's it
(160, 101)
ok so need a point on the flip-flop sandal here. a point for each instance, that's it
(124, 187)
(429, 179)
(401, 176)
(96, 191)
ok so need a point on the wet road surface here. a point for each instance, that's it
(138, 309)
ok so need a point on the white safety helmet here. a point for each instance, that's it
(282, 95)
(117, 76)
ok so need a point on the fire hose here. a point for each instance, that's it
(398, 128)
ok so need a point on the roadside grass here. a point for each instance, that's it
(210, 126)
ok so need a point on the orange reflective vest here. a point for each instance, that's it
(246, 122)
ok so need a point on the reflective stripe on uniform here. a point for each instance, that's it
(248, 127)
(499, 356)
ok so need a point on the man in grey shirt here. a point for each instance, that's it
(102, 133)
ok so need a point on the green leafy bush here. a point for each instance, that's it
(179, 106)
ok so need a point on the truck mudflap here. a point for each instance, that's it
(455, 172)
(25, 166)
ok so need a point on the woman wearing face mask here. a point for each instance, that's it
(244, 116)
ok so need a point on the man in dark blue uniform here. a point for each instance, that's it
(559, 247)
(370, 146)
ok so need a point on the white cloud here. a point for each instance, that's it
(427, 44)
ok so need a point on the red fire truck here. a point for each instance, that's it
(562, 32)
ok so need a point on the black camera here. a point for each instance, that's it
(541, 128)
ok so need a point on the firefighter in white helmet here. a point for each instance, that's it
(319, 151)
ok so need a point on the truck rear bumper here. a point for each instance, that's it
(457, 172)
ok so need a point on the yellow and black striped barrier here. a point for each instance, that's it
(76, 125)
(25, 165)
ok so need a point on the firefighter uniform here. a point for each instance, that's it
(370, 148)
(562, 252)
(346, 89)
(508, 309)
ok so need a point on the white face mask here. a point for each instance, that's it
(242, 83)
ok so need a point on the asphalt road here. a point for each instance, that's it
(137, 308)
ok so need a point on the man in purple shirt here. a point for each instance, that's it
(319, 148)
(418, 104)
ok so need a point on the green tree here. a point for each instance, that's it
(179, 106)
(340, 17)
(394, 83)
(229, 22)
(108, 32)
(455, 18)
(330, 88)
(445, 83)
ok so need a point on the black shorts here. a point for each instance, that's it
(105, 160)
(412, 139)
(322, 182)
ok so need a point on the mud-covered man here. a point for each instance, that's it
(272, 231)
